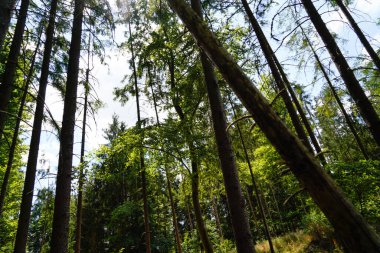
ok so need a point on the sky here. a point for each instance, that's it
(110, 76)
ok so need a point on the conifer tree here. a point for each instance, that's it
(60, 233)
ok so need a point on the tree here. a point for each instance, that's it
(268, 53)
(254, 184)
(343, 216)
(19, 116)
(6, 8)
(30, 175)
(41, 221)
(338, 100)
(8, 76)
(235, 198)
(142, 163)
(78, 225)
(372, 53)
(353, 86)
(168, 178)
(61, 217)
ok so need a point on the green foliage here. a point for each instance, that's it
(361, 182)
(169, 76)
(41, 221)
(316, 224)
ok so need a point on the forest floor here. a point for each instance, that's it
(299, 242)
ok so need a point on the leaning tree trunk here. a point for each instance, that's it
(284, 85)
(256, 189)
(349, 122)
(235, 199)
(61, 218)
(6, 8)
(142, 164)
(12, 148)
(350, 226)
(276, 75)
(302, 114)
(357, 93)
(372, 53)
(31, 167)
(11, 65)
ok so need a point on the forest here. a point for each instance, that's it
(257, 126)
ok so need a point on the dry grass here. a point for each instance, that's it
(295, 242)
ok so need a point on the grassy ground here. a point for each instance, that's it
(298, 242)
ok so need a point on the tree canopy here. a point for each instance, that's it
(253, 126)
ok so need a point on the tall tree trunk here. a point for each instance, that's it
(276, 75)
(10, 67)
(372, 53)
(196, 205)
(31, 167)
(191, 226)
(153, 95)
(12, 148)
(278, 209)
(301, 112)
(194, 165)
(355, 233)
(250, 203)
(230, 173)
(142, 164)
(283, 85)
(170, 193)
(255, 188)
(60, 233)
(174, 216)
(6, 8)
(216, 215)
(78, 224)
(349, 122)
(357, 93)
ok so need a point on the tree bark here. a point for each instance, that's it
(235, 199)
(8, 77)
(356, 234)
(31, 167)
(61, 218)
(372, 53)
(12, 148)
(357, 93)
(6, 8)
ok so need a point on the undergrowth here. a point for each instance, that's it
(300, 242)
